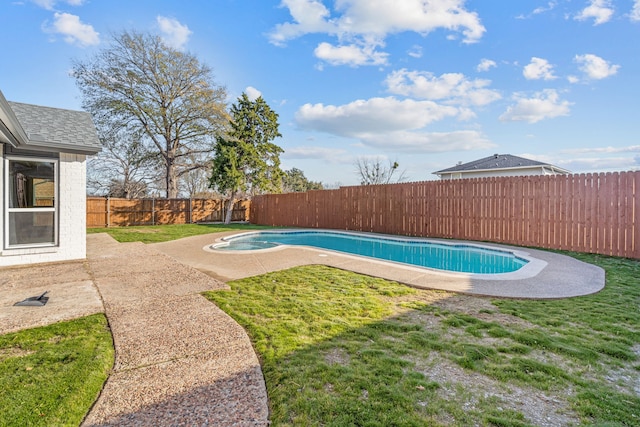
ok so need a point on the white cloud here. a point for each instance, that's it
(629, 149)
(352, 55)
(252, 93)
(538, 10)
(174, 33)
(50, 4)
(634, 16)
(594, 67)
(331, 155)
(73, 31)
(366, 23)
(416, 51)
(454, 88)
(599, 164)
(428, 142)
(550, 6)
(372, 115)
(390, 123)
(600, 10)
(568, 159)
(309, 16)
(537, 69)
(486, 65)
(544, 105)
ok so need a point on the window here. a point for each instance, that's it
(31, 201)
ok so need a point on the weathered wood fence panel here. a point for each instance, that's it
(114, 212)
(596, 213)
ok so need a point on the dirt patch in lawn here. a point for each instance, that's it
(474, 389)
(539, 408)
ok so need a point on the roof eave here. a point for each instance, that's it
(10, 126)
(62, 148)
(557, 169)
(442, 172)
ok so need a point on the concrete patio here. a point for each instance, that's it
(179, 359)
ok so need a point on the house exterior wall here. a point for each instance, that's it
(1, 199)
(493, 173)
(71, 217)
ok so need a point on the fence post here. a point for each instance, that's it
(108, 211)
(190, 210)
(153, 211)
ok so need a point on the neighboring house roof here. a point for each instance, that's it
(500, 162)
(35, 127)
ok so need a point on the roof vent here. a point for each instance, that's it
(496, 155)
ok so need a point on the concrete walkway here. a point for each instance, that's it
(180, 360)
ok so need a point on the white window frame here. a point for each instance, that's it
(7, 210)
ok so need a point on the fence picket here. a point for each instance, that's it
(587, 212)
(113, 212)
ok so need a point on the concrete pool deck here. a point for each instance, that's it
(549, 276)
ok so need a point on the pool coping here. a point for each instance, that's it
(531, 269)
(561, 277)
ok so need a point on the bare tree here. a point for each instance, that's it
(167, 95)
(374, 171)
(124, 167)
(195, 183)
(127, 190)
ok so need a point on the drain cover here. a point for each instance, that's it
(38, 301)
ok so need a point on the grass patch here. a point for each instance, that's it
(52, 375)
(338, 348)
(164, 233)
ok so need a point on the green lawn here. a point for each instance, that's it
(340, 349)
(163, 233)
(50, 376)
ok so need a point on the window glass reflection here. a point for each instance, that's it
(31, 184)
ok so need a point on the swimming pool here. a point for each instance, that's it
(465, 258)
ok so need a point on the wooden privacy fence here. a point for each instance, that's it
(595, 213)
(113, 212)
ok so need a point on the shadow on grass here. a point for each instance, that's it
(338, 348)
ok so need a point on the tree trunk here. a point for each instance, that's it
(171, 180)
(230, 204)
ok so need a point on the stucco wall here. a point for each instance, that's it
(72, 218)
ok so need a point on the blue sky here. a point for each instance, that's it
(423, 83)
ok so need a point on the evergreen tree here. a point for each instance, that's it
(246, 160)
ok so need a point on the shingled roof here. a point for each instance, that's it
(44, 128)
(499, 161)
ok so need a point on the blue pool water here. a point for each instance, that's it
(423, 253)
